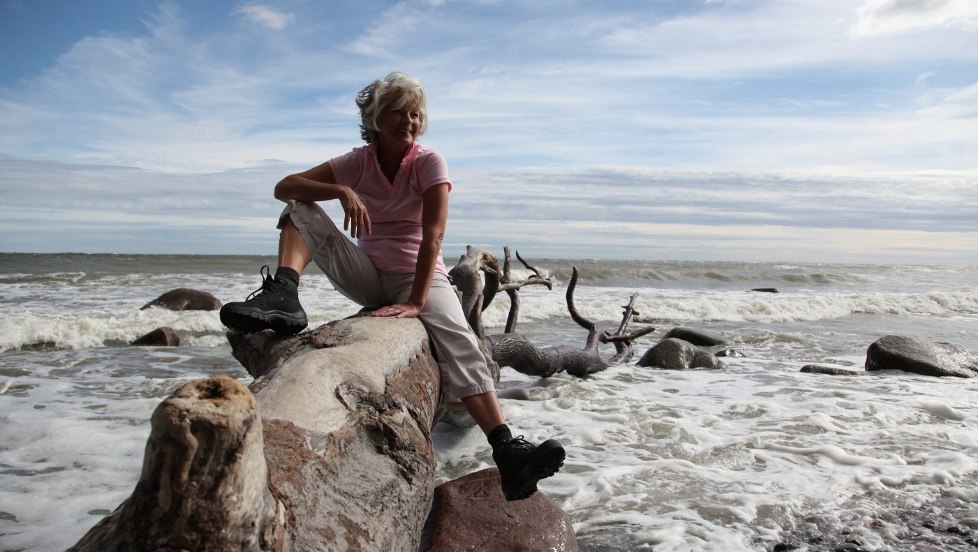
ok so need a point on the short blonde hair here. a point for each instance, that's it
(395, 90)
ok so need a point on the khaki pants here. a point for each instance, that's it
(462, 365)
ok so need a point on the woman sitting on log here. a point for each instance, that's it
(394, 194)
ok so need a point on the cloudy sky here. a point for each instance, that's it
(760, 130)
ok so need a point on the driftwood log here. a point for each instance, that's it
(331, 449)
(516, 351)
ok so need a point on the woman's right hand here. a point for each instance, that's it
(355, 216)
(319, 184)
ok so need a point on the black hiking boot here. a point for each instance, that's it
(273, 306)
(521, 464)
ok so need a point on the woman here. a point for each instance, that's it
(394, 194)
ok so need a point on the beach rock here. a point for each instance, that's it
(470, 513)
(676, 354)
(182, 299)
(830, 370)
(697, 336)
(896, 352)
(160, 337)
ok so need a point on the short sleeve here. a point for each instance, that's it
(347, 168)
(432, 170)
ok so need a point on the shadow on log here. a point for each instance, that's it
(344, 413)
(516, 351)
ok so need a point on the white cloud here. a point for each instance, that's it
(265, 16)
(630, 212)
(882, 17)
(726, 115)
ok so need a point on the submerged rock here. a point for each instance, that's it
(470, 513)
(182, 299)
(160, 337)
(831, 370)
(897, 352)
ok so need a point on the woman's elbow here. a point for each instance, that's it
(432, 243)
(281, 191)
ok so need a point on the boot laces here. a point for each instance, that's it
(519, 443)
(266, 284)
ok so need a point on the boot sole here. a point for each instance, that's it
(547, 459)
(248, 321)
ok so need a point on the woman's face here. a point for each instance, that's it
(398, 126)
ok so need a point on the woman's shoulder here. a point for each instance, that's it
(425, 154)
(357, 152)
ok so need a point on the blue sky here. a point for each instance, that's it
(758, 130)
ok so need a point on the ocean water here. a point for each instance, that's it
(750, 457)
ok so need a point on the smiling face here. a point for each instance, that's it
(398, 125)
(394, 98)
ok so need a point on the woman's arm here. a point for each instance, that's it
(319, 184)
(434, 217)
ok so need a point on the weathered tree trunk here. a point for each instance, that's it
(188, 497)
(347, 464)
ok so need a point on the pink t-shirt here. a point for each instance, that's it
(394, 208)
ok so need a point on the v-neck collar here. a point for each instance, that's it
(406, 161)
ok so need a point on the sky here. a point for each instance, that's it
(726, 130)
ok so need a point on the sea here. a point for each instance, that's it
(755, 455)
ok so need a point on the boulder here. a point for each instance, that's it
(896, 352)
(676, 354)
(697, 336)
(470, 513)
(182, 299)
(160, 337)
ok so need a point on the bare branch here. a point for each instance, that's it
(592, 331)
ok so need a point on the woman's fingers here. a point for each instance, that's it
(401, 310)
(356, 219)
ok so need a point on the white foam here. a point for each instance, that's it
(729, 459)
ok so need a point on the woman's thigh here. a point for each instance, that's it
(350, 271)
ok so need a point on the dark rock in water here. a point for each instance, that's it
(160, 337)
(182, 299)
(766, 290)
(831, 370)
(897, 352)
(470, 513)
(676, 354)
(697, 336)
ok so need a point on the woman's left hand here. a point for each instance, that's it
(400, 310)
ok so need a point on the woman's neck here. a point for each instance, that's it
(390, 160)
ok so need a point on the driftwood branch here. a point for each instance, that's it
(516, 351)
(591, 344)
(512, 288)
(621, 340)
(476, 274)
